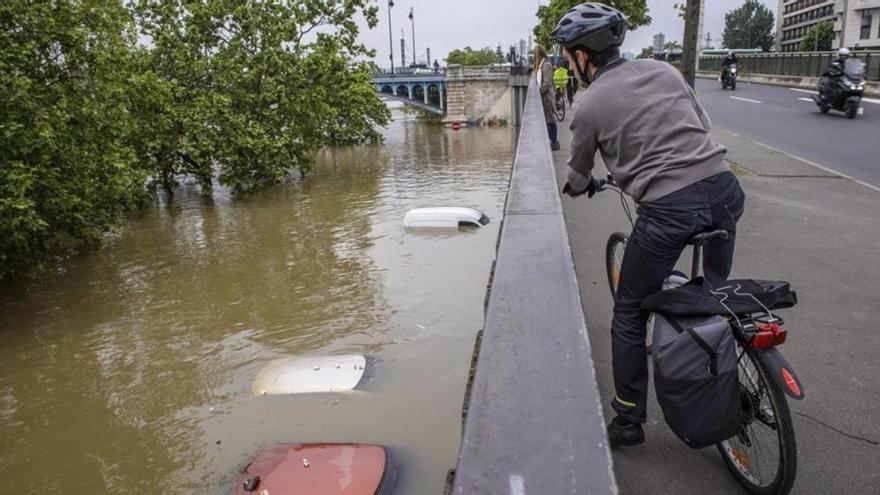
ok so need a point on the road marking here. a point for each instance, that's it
(808, 162)
(806, 99)
(517, 485)
(744, 99)
(871, 100)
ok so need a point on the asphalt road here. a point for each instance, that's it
(784, 119)
(803, 225)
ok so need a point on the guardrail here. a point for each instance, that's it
(533, 421)
(805, 64)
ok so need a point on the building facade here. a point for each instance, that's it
(796, 17)
(858, 24)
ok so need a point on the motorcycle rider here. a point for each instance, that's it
(655, 140)
(834, 71)
(729, 60)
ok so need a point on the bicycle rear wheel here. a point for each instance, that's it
(560, 108)
(763, 455)
(614, 258)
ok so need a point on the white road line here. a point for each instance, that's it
(744, 99)
(806, 99)
(517, 485)
(871, 100)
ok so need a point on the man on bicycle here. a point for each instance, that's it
(654, 139)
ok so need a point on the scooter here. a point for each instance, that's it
(842, 92)
(728, 77)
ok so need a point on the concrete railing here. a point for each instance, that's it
(533, 420)
(806, 64)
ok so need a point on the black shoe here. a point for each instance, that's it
(554, 146)
(623, 432)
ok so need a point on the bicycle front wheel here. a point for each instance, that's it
(614, 259)
(763, 455)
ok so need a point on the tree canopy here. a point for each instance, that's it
(819, 38)
(469, 56)
(92, 119)
(749, 26)
(636, 12)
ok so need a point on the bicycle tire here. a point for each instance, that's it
(613, 261)
(786, 467)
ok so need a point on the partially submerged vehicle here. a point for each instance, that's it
(318, 468)
(310, 374)
(448, 217)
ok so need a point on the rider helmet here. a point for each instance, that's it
(730, 52)
(593, 26)
(843, 53)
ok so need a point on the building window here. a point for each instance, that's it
(866, 25)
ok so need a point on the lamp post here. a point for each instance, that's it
(390, 36)
(413, 21)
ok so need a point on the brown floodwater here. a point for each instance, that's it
(128, 370)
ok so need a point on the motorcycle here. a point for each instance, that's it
(842, 92)
(728, 77)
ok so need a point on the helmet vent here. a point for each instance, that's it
(591, 15)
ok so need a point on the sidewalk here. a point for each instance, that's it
(804, 225)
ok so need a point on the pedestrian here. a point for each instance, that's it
(654, 137)
(436, 66)
(544, 71)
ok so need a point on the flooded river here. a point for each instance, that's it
(129, 370)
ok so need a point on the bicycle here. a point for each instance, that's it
(765, 378)
(560, 105)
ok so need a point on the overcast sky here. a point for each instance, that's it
(444, 25)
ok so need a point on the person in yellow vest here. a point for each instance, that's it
(560, 79)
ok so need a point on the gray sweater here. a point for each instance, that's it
(652, 133)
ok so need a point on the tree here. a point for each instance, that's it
(469, 56)
(66, 171)
(241, 92)
(636, 12)
(647, 52)
(819, 38)
(672, 45)
(680, 9)
(749, 26)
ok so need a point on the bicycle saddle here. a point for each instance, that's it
(705, 237)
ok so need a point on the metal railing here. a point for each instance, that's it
(802, 64)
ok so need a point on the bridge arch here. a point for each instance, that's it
(418, 92)
(434, 97)
(387, 89)
(403, 90)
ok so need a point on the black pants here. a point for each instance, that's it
(657, 241)
(570, 89)
(552, 131)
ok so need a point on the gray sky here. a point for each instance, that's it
(444, 25)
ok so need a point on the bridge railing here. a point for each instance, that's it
(533, 421)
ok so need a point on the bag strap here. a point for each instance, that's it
(713, 356)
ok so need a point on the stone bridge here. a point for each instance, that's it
(462, 94)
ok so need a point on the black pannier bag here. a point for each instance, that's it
(738, 296)
(695, 377)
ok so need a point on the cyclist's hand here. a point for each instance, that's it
(592, 188)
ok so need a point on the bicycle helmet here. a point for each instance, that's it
(593, 26)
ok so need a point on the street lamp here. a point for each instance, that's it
(412, 20)
(390, 36)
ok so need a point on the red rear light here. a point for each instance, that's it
(769, 335)
(790, 382)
